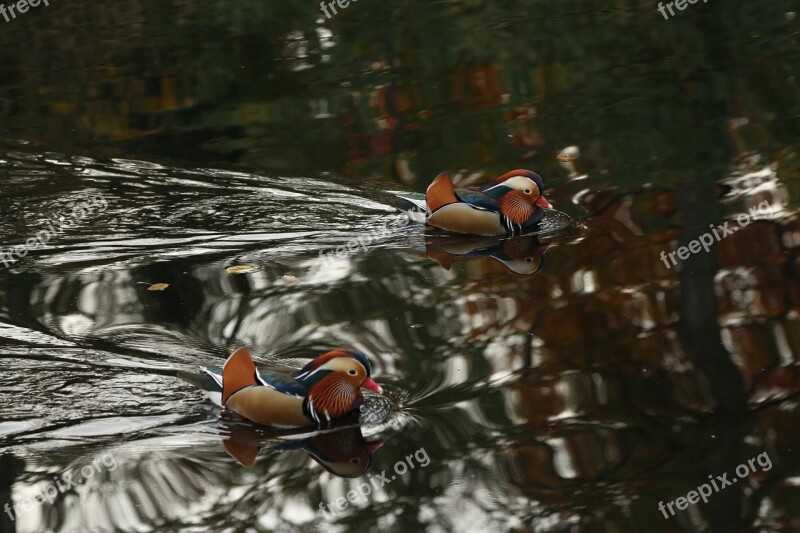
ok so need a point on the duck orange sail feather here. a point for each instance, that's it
(440, 193)
(238, 373)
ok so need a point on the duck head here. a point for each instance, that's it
(522, 255)
(343, 453)
(334, 381)
(520, 194)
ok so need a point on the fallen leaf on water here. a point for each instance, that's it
(289, 277)
(241, 269)
(566, 157)
(158, 286)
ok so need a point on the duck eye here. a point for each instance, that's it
(529, 259)
(527, 191)
(355, 461)
(352, 372)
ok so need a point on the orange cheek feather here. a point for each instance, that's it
(334, 396)
(515, 206)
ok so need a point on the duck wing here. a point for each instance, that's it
(477, 199)
(210, 380)
(281, 382)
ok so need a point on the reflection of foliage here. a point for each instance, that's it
(452, 83)
(441, 84)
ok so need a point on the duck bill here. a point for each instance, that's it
(542, 202)
(371, 385)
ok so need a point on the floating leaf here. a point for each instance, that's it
(241, 269)
(158, 286)
(565, 157)
(289, 277)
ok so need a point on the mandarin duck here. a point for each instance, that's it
(343, 452)
(522, 255)
(326, 389)
(511, 204)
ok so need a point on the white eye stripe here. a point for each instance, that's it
(334, 365)
(310, 373)
(516, 182)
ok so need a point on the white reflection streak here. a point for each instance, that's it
(562, 460)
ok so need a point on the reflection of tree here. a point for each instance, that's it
(10, 467)
(601, 408)
(698, 329)
(573, 417)
(379, 84)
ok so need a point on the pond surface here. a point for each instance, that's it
(188, 177)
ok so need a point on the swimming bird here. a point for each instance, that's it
(326, 389)
(511, 204)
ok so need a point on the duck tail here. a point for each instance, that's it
(440, 193)
(239, 372)
(408, 202)
(206, 381)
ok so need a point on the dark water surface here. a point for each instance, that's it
(565, 382)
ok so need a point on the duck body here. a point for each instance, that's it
(511, 204)
(326, 389)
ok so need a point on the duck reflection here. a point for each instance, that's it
(342, 451)
(522, 255)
